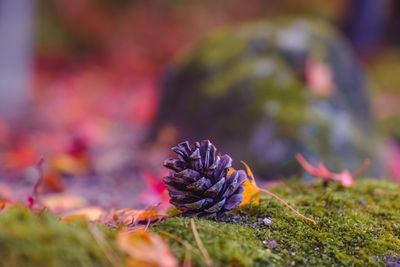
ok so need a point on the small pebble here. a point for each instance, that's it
(267, 221)
(272, 244)
(362, 202)
(235, 218)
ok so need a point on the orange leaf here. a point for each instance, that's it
(251, 193)
(149, 214)
(145, 249)
(128, 216)
(52, 182)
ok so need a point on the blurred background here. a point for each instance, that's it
(102, 89)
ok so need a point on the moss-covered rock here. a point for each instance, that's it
(358, 226)
(27, 239)
(248, 87)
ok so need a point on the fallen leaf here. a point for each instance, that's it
(70, 165)
(251, 193)
(145, 249)
(128, 216)
(63, 202)
(152, 214)
(89, 214)
(345, 177)
(52, 182)
(123, 217)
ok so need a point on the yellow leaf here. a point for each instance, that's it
(250, 175)
(251, 192)
(145, 249)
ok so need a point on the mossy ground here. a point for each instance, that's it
(27, 239)
(357, 226)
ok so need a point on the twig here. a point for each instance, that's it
(252, 180)
(287, 205)
(203, 250)
(183, 242)
(187, 260)
(107, 249)
(39, 181)
(356, 173)
(147, 224)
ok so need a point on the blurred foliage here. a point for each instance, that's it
(92, 26)
(384, 72)
(267, 89)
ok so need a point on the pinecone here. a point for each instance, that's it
(199, 183)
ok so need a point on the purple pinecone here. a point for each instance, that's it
(199, 184)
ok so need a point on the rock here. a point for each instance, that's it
(265, 90)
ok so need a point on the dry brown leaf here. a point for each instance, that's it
(145, 249)
(129, 217)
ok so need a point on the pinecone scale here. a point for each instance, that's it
(199, 184)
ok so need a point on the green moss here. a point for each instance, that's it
(227, 244)
(44, 240)
(356, 226)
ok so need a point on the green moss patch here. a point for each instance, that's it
(356, 226)
(27, 239)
